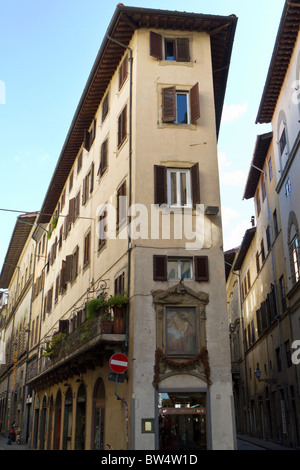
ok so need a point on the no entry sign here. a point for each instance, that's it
(118, 363)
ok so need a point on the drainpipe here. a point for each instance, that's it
(129, 178)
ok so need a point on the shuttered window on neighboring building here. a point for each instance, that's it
(122, 126)
(123, 72)
(180, 106)
(121, 204)
(103, 158)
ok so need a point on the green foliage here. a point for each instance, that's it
(118, 300)
(53, 345)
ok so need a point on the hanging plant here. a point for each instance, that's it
(49, 234)
(118, 300)
(54, 222)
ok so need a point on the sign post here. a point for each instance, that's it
(119, 364)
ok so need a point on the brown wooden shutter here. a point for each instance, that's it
(86, 141)
(195, 184)
(84, 191)
(103, 158)
(62, 277)
(160, 184)
(68, 268)
(63, 326)
(169, 104)
(71, 215)
(156, 45)
(182, 50)
(92, 177)
(195, 103)
(201, 268)
(160, 268)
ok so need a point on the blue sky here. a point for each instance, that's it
(47, 50)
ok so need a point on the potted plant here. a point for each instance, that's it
(106, 322)
(117, 303)
(96, 307)
(52, 348)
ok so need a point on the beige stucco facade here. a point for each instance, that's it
(76, 384)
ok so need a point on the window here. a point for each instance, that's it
(288, 353)
(173, 268)
(275, 223)
(179, 188)
(105, 107)
(88, 185)
(87, 248)
(282, 294)
(180, 268)
(288, 187)
(180, 106)
(123, 71)
(263, 189)
(120, 284)
(258, 206)
(282, 142)
(294, 246)
(102, 229)
(121, 204)
(257, 262)
(70, 268)
(181, 331)
(122, 127)
(71, 181)
(268, 238)
(79, 162)
(176, 187)
(278, 359)
(170, 49)
(103, 158)
(89, 136)
(270, 168)
(262, 250)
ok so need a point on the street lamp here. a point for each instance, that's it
(258, 375)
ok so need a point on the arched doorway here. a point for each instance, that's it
(43, 423)
(67, 431)
(57, 422)
(80, 418)
(98, 430)
(36, 422)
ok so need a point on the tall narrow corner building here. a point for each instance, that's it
(130, 234)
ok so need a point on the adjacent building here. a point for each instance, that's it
(264, 320)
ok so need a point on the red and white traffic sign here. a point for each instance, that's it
(118, 363)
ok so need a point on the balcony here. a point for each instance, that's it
(84, 348)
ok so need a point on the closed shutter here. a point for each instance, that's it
(92, 178)
(86, 141)
(68, 268)
(195, 103)
(160, 268)
(62, 277)
(195, 184)
(103, 158)
(182, 50)
(169, 104)
(84, 191)
(156, 45)
(160, 184)
(201, 268)
(71, 215)
(122, 126)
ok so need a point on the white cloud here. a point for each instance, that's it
(228, 215)
(233, 112)
(233, 235)
(223, 162)
(235, 178)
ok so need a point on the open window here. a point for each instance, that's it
(180, 106)
(169, 48)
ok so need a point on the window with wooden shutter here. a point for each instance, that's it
(160, 268)
(122, 127)
(63, 326)
(120, 284)
(121, 204)
(195, 184)
(182, 50)
(74, 269)
(194, 103)
(201, 268)
(49, 300)
(89, 136)
(68, 268)
(62, 277)
(79, 162)
(87, 244)
(105, 107)
(101, 233)
(169, 104)
(123, 72)
(103, 158)
(86, 140)
(84, 191)
(71, 215)
(160, 184)
(156, 45)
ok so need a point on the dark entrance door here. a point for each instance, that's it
(182, 421)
